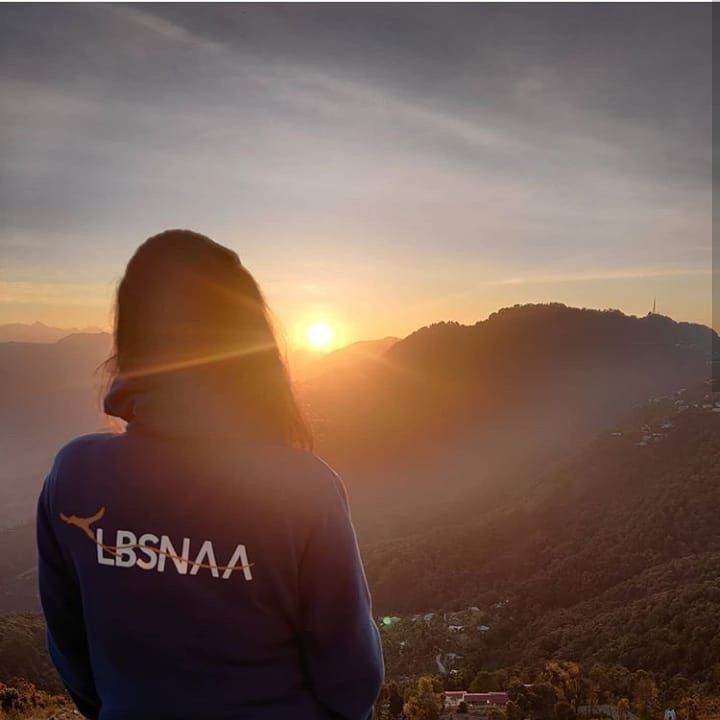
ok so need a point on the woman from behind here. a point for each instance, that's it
(202, 564)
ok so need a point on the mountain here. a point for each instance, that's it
(441, 412)
(621, 496)
(525, 361)
(613, 557)
(555, 469)
(348, 359)
(434, 426)
(49, 393)
(37, 332)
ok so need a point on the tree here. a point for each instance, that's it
(513, 711)
(395, 700)
(564, 711)
(689, 708)
(542, 700)
(484, 681)
(676, 688)
(619, 682)
(457, 680)
(645, 694)
(519, 694)
(424, 703)
(564, 676)
(623, 708)
(605, 684)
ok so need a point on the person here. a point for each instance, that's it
(202, 563)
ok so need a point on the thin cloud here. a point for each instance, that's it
(166, 29)
(616, 274)
(55, 293)
(408, 147)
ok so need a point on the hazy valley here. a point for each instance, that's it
(544, 483)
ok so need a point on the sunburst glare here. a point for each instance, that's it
(320, 336)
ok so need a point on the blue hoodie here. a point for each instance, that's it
(185, 574)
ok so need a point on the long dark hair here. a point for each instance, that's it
(187, 302)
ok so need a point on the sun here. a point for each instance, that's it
(320, 336)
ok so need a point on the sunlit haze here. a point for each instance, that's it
(386, 167)
(320, 336)
(458, 458)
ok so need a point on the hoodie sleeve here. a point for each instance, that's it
(341, 642)
(62, 607)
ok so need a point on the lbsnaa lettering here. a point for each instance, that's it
(158, 553)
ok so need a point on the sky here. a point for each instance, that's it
(377, 167)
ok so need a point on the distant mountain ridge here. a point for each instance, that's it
(346, 358)
(526, 352)
(556, 467)
(38, 332)
(444, 411)
(49, 392)
(449, 401)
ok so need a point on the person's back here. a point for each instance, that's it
(191, 568)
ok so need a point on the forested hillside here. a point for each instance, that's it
(433, 426)
(447, 382)
(436, 414)
(555, 470)
(18, 576)
(614, 557)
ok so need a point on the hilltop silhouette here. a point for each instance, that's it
(554, 467)
(445, 408)
(38, 332)
(455, 409)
